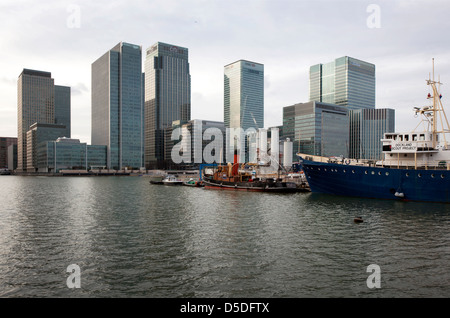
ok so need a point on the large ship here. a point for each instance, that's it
(415, 165)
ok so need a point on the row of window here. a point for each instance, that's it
(372, 172)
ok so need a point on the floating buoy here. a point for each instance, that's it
(358, 220)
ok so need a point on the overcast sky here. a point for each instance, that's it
(287, 36)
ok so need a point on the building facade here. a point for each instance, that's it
(69, 154)
(37, 134)
(244, 95)
(167, 96)
(345, 81)
(367, 128)
(36, 103)
(117, 105)
(63, 108)
(317, 128)
(39, 100)
(5, 143)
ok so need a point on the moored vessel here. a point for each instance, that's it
(415, 165)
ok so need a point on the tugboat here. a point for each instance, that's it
(236, 177)
(415, 167)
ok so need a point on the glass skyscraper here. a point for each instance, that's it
(346, 82)
(316, 128)
(39, 100)
(167, 96)
(244, 95)
(117, 105)
(62, 108)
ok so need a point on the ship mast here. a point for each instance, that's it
(438, 112)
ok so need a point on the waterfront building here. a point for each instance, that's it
(167, 97)
(346, 81)
(244, 95)
(5, 143)
(69, 154)
(39, 101)
(37, 134)
(317, 128)
(35, 103)
(117, 105)
(367, 128)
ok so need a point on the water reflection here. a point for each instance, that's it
(133, 239)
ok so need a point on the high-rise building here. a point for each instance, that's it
(346, 82)
(37, 103)
(62, 108)
(167, 96)
(244, 95)
(367, 128)
(117, 105)
(315, 128)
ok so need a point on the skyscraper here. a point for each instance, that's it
(62, 108)
(244, 95)
(36, 103)
(316, 128)
(167, 96)
(345, 81)
(117, 105)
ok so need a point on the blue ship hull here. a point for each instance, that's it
(377, 182)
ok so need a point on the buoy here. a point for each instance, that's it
(358, 219)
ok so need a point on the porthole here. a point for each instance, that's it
(373, 172)
(353, 171)
(343, 170)
(442, 176)
(419, 175)
(432, 175)
(407, 174)
(387, 173)
(379, 173)
(365, 172)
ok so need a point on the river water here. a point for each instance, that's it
(130, 238)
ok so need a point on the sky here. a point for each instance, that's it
(288, 36)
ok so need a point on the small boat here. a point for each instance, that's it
(358, 220)
(172, 180)
(4, 172)
(193, 183)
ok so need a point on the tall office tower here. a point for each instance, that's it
(117, 105)
(345, 81)
(35, 104)
(315, 128)
(62, 108)
(367, 128)
(167, 96)
(244, 95)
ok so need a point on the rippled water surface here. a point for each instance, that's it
(134, 239)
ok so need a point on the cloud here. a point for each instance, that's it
(287, 36)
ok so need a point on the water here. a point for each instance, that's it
(134, 239)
